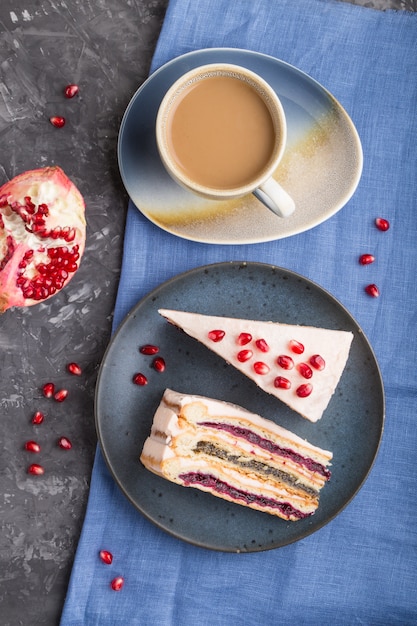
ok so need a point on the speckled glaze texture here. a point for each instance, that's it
(251, 290)
(322, 141)
(105, 46)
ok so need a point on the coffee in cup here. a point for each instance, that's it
(221, 133)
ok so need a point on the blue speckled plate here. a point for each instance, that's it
(351, 426)
(321, 167)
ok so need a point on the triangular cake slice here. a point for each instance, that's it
(236, 455)
(300, 365)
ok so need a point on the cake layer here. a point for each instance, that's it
(236, 455)
(300, 365)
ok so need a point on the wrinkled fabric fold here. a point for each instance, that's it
(362, 566)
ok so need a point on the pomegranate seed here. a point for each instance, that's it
(117, 583)
(35, 469)
(140, 379)
(48, 390)
(32, 446)
(382, 224)
(64, 443)
(38, 417)
(296, 346)
(318, 362)
(106, 557)
(244, 355)
(70, 91)
(216, 335)
(285, 362)
(372, 290)
(261, 368)
(244, 338)
(305, 370)
(282, 383)
(262, 345)
(158, 364)
(303, 391)
(57, 120)
(366, 259)
(74, 368)
(149, 349)
(60, 395)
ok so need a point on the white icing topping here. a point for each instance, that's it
(332, 345)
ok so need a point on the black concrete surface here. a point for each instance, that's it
(104, 46)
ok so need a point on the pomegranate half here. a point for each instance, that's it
(42, 236)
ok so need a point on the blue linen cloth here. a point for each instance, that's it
(362, 566)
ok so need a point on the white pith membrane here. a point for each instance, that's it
(332, 345)
(42, 236)
(235, 455)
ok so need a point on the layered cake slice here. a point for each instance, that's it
(300, 365)
(236, 455)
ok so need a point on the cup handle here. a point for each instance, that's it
(273, 196)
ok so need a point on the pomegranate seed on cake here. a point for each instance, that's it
(291, 351)
(235, 455)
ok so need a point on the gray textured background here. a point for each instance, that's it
(105, 46)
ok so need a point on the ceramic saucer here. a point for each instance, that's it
(321, 167)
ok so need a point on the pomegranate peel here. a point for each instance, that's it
(42, 236)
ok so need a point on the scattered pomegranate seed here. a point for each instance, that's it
(140, 379)
(285, 362)
(60, 395)
(64, 443)
(38, 417)
(244, 355)
(48, 390)
(366, 259)
(382, 224)
(372, 290)
(262, 345)
(149, 349)
(36, 470)
(261, 368)
(303, 391)
(296, 346)
(158, 364)
(57, 120)
(106, 557)
(318, 362)
(216, 335)
(74, 368)
(117, 583)
(32, 446)
(282, 383)
(305, 370)
(244, 338)
(71, 90)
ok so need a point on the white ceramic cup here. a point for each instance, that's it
(260, 182)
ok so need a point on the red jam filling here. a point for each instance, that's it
(270, 446)
(221, 487)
